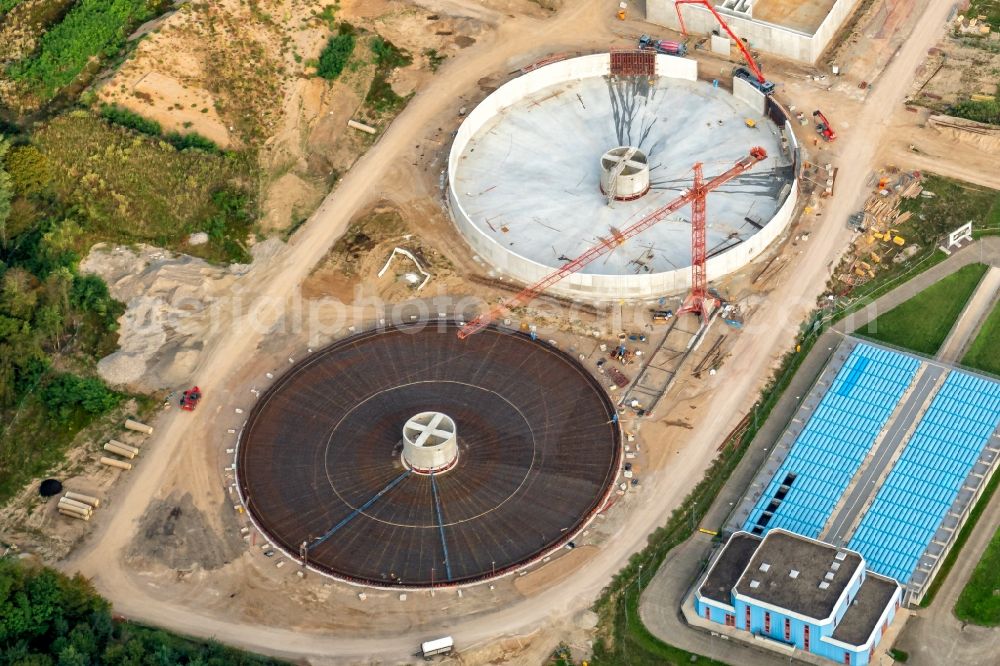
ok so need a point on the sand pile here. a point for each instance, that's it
(172, 301)
(981, 135)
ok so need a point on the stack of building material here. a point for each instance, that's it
(113, 462)
(124, 450)
(75, 508)
(138, 427)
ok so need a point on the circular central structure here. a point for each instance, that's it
(532, 166)
(430, 443)
(624, 173)
(324, 472)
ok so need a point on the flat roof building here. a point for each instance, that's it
(797, 593)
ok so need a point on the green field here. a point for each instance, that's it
(984, 353)
(954, 203)
(130, 187)
(922, 323)
(979, 602)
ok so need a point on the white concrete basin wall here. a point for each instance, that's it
(587, 286)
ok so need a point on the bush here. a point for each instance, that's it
(67, 392)
(388, 55)
(29, 170)
(335, 55)
(130, 119)
(191, 140)
(985, 111)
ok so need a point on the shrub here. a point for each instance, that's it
(130, 119)
(29, 170)
(68, 392)
(335, 55)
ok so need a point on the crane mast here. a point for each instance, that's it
(695, 196)
(739, 42)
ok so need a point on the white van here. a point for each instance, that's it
(437, 646)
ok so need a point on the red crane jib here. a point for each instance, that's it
(739, 42)
(694, 196)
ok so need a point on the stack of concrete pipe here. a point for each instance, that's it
(124, 450)
(114, 462)
(78, 506)
(138, 427)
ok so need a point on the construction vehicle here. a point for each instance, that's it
(823, 127)
(189, 399)
(622, 11)
(751, 123)
(438, 646)
(699, 280)
(753, 75)
(663, 46)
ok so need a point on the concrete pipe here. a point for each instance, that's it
(121, 451)
(138, 427)
(63, 501)
(78, 516)
(74, 510)
(124, 447)
(80, 497)
(111, 462)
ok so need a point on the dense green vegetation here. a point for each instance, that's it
(982, 111)
(922, 323)
(93, 29)
(53, 323)
(963, 537)
(7, 5)
(48, 618)
(988, 8)
(103, 171)
(121, 116)
(984, 352)
(381, 97)
(336, 53)
(979, 602)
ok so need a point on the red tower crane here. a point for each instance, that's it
(695, 196)
(760, 83)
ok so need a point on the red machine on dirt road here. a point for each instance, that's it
(189, 399)
(823, 127)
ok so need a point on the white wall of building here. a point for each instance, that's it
(768, 37)
(585, 285)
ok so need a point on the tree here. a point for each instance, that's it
(6, 192)
(29, 170)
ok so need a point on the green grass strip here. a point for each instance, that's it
(963, 536)
(922, 323)
(979, 602)
(984, 353)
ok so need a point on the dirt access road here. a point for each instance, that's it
(766, 336)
